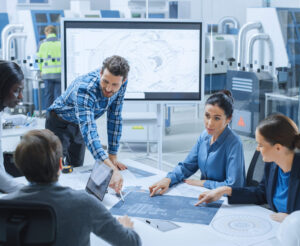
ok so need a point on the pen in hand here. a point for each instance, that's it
(121, 195)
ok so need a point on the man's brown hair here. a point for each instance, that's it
(116, 65)
(38, 156)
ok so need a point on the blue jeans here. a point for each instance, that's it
(52, 91)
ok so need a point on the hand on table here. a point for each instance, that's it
(162, 185)
(120, 165)
(116, 163)
(213, 195)
(194, 182)
(126, 221)
(279, 217)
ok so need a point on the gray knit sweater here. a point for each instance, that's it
(78, 214)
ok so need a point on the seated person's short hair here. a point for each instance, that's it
(38, 156)
(50, 29)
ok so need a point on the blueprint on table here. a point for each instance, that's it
(139, 173)
(128, 189)
(173, 208)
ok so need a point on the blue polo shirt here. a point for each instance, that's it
(221, 163)
(281, 191)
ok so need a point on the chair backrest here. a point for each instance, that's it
(256, 170)
(9, 164)
(25, 223)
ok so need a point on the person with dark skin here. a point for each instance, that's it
(11, 89)
(277, 139)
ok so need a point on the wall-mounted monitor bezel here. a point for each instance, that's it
(140, 24)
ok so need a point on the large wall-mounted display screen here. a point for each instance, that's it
(165, 56)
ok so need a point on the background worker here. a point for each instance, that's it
(49, 54)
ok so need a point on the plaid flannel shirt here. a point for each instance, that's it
(83, 102)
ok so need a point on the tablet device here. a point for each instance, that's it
(99, 180)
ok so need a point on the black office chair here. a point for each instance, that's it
(9, 164)
(24, 223)
(256, 170)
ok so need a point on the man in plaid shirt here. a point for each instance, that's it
(72, 115)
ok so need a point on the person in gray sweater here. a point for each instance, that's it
(39, 158)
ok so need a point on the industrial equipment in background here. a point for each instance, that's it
(220, 53)
(259, 62)
(264, 80)
(19, 44)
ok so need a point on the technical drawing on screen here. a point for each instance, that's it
(165, 56)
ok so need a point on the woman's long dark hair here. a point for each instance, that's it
(223, 99)
(10, 74)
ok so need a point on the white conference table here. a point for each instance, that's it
(20, 131)
(256, 230)
(9, 136)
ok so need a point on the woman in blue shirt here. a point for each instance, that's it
(218, 152)
(277, 137)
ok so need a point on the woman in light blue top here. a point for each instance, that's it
(218, 152)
